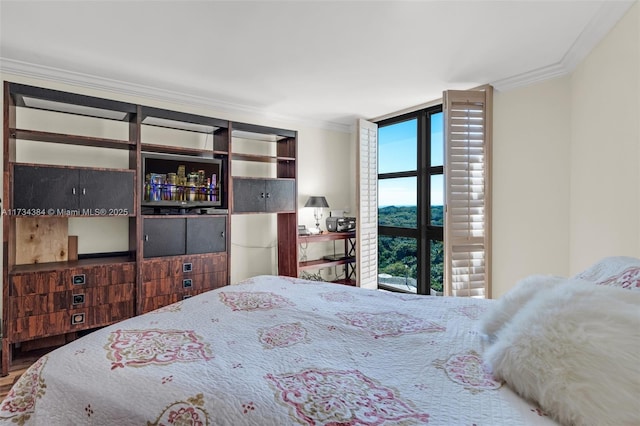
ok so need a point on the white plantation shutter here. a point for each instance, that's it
(367, 214)
(467, 120)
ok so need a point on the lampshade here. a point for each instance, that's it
(316, 202)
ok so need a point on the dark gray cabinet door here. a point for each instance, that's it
(280, 195)
(206, 234)
(164, 237)
(248, 195)
(254, 195)
(63, 189)
(42, 187)
(107, 190)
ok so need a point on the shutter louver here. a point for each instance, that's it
(467, 117)
(367, 196)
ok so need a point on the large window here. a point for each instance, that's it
(435, 157)
(410, 202)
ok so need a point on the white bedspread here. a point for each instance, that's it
(276, 351)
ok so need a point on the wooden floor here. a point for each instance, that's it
(19, 366)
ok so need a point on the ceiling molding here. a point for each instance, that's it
(531, 77)
(606, 18)
(25, 69)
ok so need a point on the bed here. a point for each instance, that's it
(278, 351)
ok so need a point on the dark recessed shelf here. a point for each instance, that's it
(166, 149)
(36, 135)
(70, 103)
(260, 158)
(86, 262)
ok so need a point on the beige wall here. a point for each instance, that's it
(605, 147)
(566, 154)
(531, 157)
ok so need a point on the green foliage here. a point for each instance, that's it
(397, 256)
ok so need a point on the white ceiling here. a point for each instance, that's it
(319, 61)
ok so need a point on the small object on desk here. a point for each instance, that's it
(302, 230)
(315, 231)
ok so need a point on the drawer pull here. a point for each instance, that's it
(187, 267)
(78, 299)
(187, 283)
(79, 279)
(77, 319)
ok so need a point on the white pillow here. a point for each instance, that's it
(575, 350)
(514, 300)
(616, 271)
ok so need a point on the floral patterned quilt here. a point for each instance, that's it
(277, 351)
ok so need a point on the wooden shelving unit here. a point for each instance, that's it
(49, 303)
(276, 195)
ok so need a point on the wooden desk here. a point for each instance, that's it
(348, 259)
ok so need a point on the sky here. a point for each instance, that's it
(398, 153)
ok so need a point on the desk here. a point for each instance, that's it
(348, 258)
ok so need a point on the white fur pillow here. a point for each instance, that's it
(575, 350)
(513, 301)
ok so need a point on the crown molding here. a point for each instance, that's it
(603, 21)
(606, 18)
(531, 77)
(87, 81)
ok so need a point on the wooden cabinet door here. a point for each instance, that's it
(206, 234)
(164, 237)
(44, 187)
(107, 190)
(248, 195)
(280, 195)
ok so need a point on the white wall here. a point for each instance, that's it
(566, 165)
(324, 168)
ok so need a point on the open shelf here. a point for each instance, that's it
(166, 149)
(40, 136)
(85, 262)
(323, 263)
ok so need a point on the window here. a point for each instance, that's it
(410, 195)
(424, 198)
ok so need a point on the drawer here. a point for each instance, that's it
(36, 326)
(188, 283)
(152, 303)
(178, 266)
(42, 282)
(40, 304)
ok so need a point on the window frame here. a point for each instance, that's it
(424, 231)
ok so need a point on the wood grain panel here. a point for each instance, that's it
(152, 303)
(41, 240)
(23, 284)
(40, 304)
(51, 324)
(158, 268)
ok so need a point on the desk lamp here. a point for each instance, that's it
(318, 203)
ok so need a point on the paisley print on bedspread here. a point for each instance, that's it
(137, 348)
(384, 324)
(253, 300)
(21, 400)
(341, 398)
